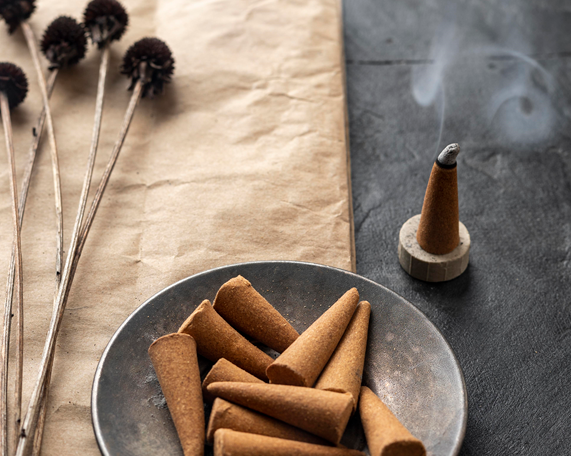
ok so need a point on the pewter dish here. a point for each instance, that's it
(409, 364)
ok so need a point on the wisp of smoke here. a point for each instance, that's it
(520, 110)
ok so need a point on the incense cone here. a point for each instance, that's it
(247, 311)
(438, 231)
(385, 434)
(216, 339)
(226, 415)
(435, 246)
(232, 443)
(344, 371)
(176, 364)
(225, 371)
(304, 360)
(322, 413)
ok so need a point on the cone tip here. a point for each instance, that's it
(448, 156)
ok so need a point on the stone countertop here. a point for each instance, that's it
(494, 77)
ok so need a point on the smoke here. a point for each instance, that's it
(522, 111)
(514, 105)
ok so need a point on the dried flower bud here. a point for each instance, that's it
(64, 42)
(152, 60)
(13, 83)
(16, 11)
(105, 21)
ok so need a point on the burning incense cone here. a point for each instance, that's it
(322, 413)
(217, 339)
(344, 371)
(304, 360)
(438, 231)
(226, 415)
(176, 364)
(231, 443)
(435, 246)
(247, 311)
(385, 434)
(225, 371)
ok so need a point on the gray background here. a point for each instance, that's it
(494, 77)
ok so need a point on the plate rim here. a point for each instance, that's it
(94, 388)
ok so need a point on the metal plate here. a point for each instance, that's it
(409, 364)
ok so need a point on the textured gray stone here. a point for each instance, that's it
(494, 77)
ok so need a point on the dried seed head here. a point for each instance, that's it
(13, 83)
(16, 11)
(152, 60)
(64, 42)
(105, 21)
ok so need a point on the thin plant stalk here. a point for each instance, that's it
(35, 53)
(4, 350)
(6, 121)
(31, 419)
(75, 238)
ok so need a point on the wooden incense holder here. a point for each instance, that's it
(435, 246)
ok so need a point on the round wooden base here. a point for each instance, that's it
(428, 267)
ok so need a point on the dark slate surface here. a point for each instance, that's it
(494, 76)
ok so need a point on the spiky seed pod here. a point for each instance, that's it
(64, 42)
(13, 83)
(158, 69)
(105, 21)
(16, 11)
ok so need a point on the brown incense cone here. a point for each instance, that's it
(435, 246)
(344, 371)
(225, 371)
(438, 232)
(247, 311)
(176, 364)
(386, 436)
(232, 443)
(304, 360)
(226, 415)
(216, 339)
(322, 413)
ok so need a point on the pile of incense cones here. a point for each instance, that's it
(148, 64)
(315, 382)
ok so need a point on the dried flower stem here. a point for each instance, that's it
(31, 419)
(5, 109)
(4, 351)
(135, 98)
(76, 230)
(35, 53)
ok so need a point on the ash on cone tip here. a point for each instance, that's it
(448, 156)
